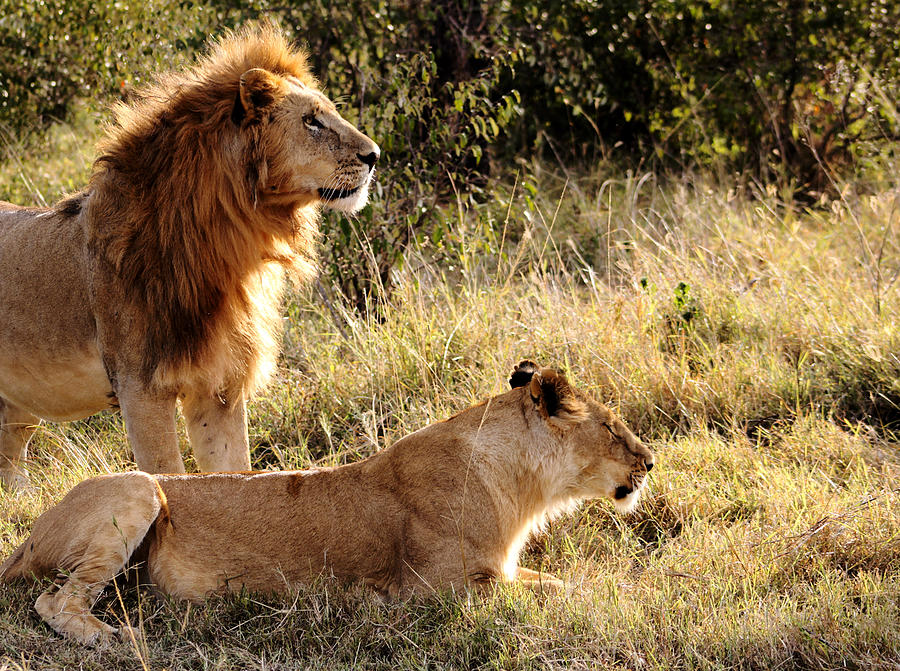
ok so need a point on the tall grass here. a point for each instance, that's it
(752, 344)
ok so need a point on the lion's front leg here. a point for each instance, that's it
(217, 428)
(150, 423)
(16, 428)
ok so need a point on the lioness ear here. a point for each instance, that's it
(556, 399)
(522, 374)
(258, 90)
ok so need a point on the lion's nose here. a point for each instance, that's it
(370, 158)
(622, 491)
(647, 456)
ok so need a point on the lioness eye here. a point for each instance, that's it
(313, 122)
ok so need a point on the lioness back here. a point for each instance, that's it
(263, 531)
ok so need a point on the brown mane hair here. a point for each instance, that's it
(174, 193)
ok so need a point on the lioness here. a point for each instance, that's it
(448, 506)
(163, 277)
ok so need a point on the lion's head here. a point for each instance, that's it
(603, 458)
(249, 111)
(307, 151)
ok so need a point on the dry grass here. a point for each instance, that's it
(768, 384)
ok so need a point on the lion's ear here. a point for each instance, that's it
(556, 399)
(522, 374)
(258, 90)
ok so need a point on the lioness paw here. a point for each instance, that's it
(546, 585)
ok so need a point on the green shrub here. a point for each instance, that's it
(55, 51)
(776, 87)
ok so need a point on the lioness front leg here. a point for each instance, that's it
(539, 582)
(217, 428)
(150, 424)
(16, 429)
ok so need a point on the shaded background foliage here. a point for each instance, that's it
(453, 90)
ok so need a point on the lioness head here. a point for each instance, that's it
(604, 457)
(306, 150)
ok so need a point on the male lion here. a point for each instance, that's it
(163, 278)
(448, 506)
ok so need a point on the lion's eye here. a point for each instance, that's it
(313, 123)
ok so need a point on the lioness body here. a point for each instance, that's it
(448, 506)
(163, 278)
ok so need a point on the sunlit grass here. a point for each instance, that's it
(753, 345)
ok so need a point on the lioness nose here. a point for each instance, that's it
(649, 464)
(369, 159)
